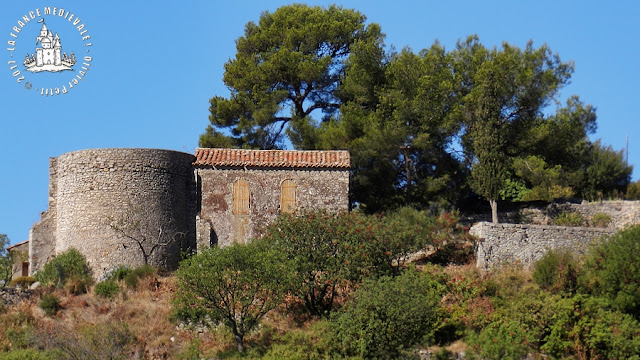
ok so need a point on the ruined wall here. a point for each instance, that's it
(315, 189)
(142, 189)
(623, 213)
(42, 236)
(499, 244)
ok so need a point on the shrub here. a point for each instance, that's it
(298, 344)
(119, 273)
(236, 285)
(633, 191)
(50, 304)
(132, 278)
(387, 315)
(23, 281)
(556, 271)
(29, 354)
(107, 289)
(505, 340)
(569, 218)
(67, 269)
(611, 270)
(601, 220)
(586, 327)
(103, 340)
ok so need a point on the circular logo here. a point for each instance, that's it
(61, 57)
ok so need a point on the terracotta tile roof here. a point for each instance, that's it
(18, 244)
(273, 158)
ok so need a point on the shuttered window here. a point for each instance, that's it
(288, 197)
(241, 197)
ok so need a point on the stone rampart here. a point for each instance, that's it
(500, 244)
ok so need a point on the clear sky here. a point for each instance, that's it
(154, 66)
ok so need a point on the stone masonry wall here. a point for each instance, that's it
(623, 213)
(315, 189)
(500, 244)
(42, 236)
(146, 189)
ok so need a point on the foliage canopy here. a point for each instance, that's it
(426, 129)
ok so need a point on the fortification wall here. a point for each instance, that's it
(500, 244)
(145, 192)
(315, 189)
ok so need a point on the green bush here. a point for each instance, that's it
(611, 270)
(29, 354)
(23, 281)
(50, 304)
(585, 327)
(119, 273)
(387, 315)
(298, 344)
(633, 191)
(569, 218)
(601, 220)
(501, 340)
(556, 271)
(69, 270)
(107, 289)
(132, 278)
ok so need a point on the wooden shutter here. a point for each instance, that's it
(241, 197)
(288, 197)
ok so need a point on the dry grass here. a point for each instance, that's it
(144, 313)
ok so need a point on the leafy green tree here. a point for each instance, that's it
(633, 191)
(506, 90)
(402, 156)
(6, 261)
(607, 173)
(545, 182)
(287, 67)
(236, 285)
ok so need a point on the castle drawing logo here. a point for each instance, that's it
(47, 68)
(49, 56)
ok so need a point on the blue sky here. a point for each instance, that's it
(154, 66)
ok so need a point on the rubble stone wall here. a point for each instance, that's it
(315, 189)
(500, 244)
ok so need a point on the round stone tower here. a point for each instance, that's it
(120, 206)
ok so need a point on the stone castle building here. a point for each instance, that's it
(118, 206)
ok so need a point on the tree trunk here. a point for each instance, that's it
(494, 211)
(239, 341)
